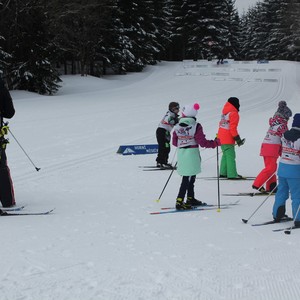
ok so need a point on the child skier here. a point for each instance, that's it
(187, 136)
(163, 135)
(271, 149)
(228, 135)
(289, 173)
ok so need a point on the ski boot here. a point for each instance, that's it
(238, 177)
(164, 166)
(194, 202)
(279, 214)
(180, 205)
(273, 188)
(168, 166)
(297, 224)
(3, 213)
(261, 189)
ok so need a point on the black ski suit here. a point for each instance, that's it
(7, 110)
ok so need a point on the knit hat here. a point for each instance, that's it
(235, 102)
(296, 121)
(283, 110)
(190, 110)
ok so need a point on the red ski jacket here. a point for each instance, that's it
(228, 124)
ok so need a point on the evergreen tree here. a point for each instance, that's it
(4, 58)
(253, 33)
(213, 29)
(125, 35)
(292, 15)
(162, 23)
(245, 35)
(201, 29)
(270, 30)
(209, 29)
(233, 29)
(261, 27)
(148, 34)
(220, 26)
(26, 40)
(275, 32)
(141, 30)
(179, 28)
(4, 55)
(79, 28)
(115, 46)
(193, 29)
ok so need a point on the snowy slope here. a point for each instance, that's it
(101, 242)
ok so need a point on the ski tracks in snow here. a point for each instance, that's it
(112, 249)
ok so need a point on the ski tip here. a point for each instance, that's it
(287, 232)
(245, 221)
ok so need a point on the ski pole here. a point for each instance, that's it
(218, 180)
(246, 220)
(166, 183)
(288, 231)
(37, 169)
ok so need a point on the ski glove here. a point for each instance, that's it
(3, 143)
(239, 141)
(217, 142)
(4, 130)
(173, 120)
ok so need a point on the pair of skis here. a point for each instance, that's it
(250, 194)
(172, 210)
(155, 168)
(204, 206)
(283, 220)
(286, 230)
(18, 211)
(225, 178)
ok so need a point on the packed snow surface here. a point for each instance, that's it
(101, 242)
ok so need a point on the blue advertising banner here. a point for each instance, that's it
(138, 149)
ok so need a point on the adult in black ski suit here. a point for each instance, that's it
(7, 110)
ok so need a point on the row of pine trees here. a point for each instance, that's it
(41, 39)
